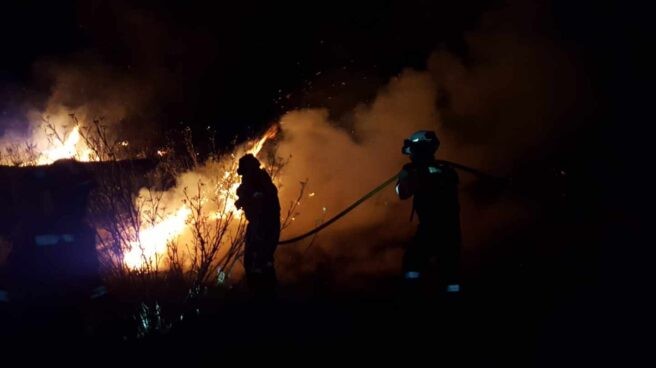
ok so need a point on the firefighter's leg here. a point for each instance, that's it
(250, 268)
(259, 272)
(263, 276)
(417, 256)
(268, 280)
(415, 263)
(250, 255)
(412, 262)
(448, 268)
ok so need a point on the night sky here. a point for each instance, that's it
(240, 65)
(260, 57)
(236, 64)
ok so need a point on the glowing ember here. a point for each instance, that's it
(153, 241)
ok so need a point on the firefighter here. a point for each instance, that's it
(434, 188)
(258, 197)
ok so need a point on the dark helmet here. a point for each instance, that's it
(248, 163)
(421, 143)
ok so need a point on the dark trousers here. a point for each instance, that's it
(261, 243)
(436, 244)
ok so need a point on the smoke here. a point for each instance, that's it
(509, 100)
(342, 165)
(82, 91)
(515, 93)
(131, 76)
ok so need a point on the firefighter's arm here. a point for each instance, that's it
(239, 203)
(253, 200)
(253, 194)
(405, 186)
(244, 192)
(257, 201)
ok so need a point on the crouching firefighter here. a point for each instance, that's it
(434, 188)
(258, 197)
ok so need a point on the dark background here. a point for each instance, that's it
(236, 64)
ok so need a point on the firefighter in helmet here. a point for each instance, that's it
(258, 197)
(434, 188)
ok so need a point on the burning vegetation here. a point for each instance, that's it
(160, 221)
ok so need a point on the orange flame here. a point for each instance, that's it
(257, 145)
(154, 240)
(71, 147)
(229, 195)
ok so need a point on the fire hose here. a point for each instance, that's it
(343, 213)
(372, 193)
(223, 274)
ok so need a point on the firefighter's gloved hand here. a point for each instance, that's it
(408, 169)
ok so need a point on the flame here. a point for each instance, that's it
(71, 147)
(229, 195)
(257, 145)
(153, 241)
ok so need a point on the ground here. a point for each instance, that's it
(484, 327)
